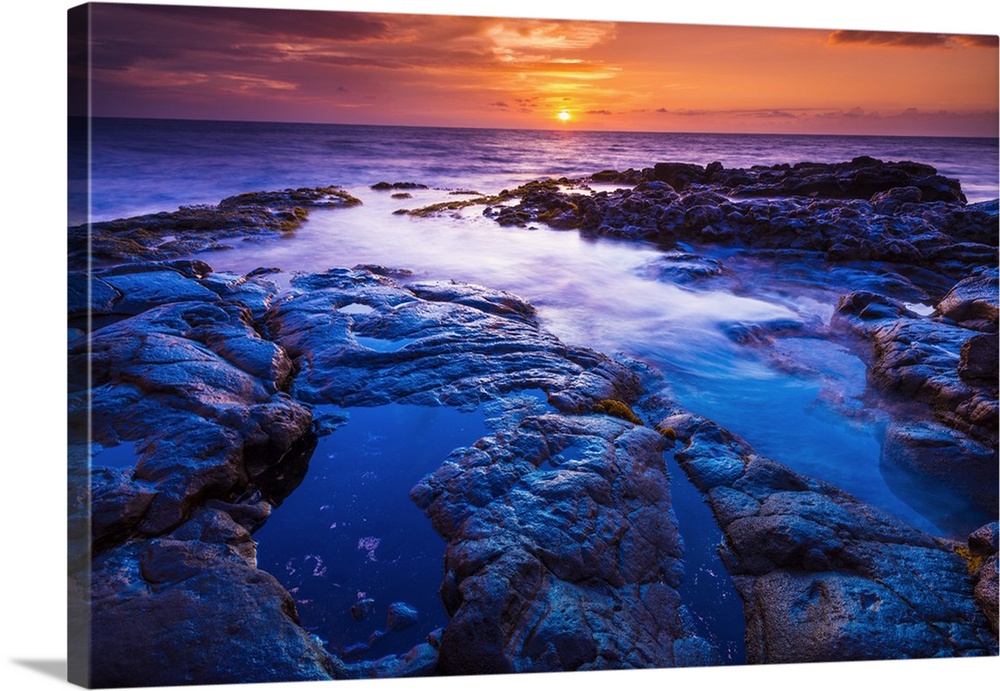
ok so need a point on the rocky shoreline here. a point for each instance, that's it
(563, 551)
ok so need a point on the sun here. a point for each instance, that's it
(564, 116)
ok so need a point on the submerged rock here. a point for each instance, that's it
(401, 616)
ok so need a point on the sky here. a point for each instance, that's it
(439, 70)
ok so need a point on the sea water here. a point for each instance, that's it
(144, 166)
(599, 293)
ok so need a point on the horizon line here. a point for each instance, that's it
(534, 129)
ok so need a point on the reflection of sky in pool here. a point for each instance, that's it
(351, 532)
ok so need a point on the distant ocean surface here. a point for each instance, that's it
(143, 166)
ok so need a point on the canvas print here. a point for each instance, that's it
(409, 345)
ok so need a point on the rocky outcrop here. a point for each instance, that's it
(940, 373)
(562, 549)
(864, 209)
(562, 553)
(191, 607)
(823, 576)
(208, 375)
(461, 345)
(184, 374)
(982, 561)
(167, 235)
(973, 302)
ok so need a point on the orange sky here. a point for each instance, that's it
(244, 64)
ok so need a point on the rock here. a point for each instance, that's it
(985, 540)
(986, 590)
(678, 175)
(194, 382)
(869, 306)
(683, 268)
(820, 572)
(192, 607)
(398, 186)
(167, 235)
(466, 344)
(563, 565)
(973, 299)
(89, 296)
(920, 359)
(861, 178)
(950, 460)
(978, 359)
(401, 616)
(891, 201)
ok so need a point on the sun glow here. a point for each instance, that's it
(564, 115)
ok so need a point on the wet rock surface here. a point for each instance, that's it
(214, 392)
(562, 552)
(822, 575)
(190, 229)
(562, 548)
(864, 209)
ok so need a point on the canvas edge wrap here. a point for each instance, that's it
(78, 374)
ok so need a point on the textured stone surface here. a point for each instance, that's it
(562, 548)
(824, 576)
(562, 552)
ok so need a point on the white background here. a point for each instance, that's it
(32, 463)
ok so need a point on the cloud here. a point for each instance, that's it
(499, 104)
(902, 39)
(326, 25)
(978, 41)
(599, 112)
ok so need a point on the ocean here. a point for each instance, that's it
(144, 166)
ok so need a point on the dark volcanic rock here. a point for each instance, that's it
(862, 178)
(562, 554)
(678, 175)
(985, 540)
(983, 544)
(683, 268)
(978, 359)
(942, 377)
(398, 186)
(954, 462)
(191, 607)
(465, 344)
(821, 574)
(921, 360)
(193, 228)
(986, 590)
(401, 616)
(915, 217)
(973, 300)
(193, 383)
(869, 306)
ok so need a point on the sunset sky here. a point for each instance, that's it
(337, 67)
